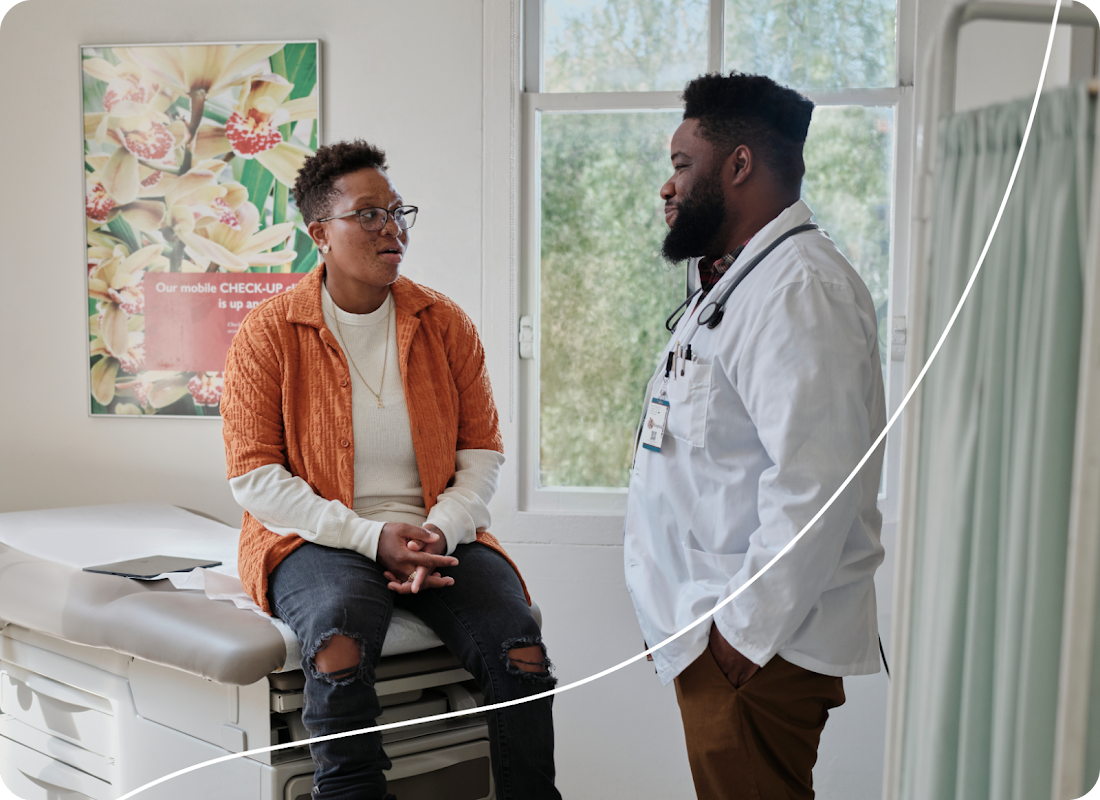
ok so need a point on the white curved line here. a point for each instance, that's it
(750, 581)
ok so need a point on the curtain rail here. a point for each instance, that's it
(1076, 14)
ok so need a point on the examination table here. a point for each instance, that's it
(107, 683)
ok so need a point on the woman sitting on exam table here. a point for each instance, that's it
(362, 441)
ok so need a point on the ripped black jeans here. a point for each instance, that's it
(320, 591)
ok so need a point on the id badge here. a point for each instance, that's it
(653, 429)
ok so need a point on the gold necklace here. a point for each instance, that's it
(385, 356)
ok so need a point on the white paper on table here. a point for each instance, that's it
(91, 535)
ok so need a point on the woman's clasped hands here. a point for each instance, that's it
(410, 553)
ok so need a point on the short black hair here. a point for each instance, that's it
(752, 110)
(314, 191)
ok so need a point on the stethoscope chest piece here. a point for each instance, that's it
(712, 313)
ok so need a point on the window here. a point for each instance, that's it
(602, 82)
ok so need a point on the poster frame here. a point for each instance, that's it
(84, 294)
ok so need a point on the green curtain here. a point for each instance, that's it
(996, 452)
(1092, 739)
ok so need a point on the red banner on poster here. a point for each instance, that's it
(190, 319)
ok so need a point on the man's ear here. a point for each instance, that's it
(739, 165)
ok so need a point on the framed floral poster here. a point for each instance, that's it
(190, 153)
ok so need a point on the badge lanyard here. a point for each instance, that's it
(656, 419)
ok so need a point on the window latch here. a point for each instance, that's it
(897, 339)
(526, 337)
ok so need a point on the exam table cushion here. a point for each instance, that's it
(144, 619)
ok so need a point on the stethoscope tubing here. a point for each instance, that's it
(670, 326)
(714, 310)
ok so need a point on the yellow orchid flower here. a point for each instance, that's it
(236, 248)
(116, 282)
(206, 388)
(96, 254)
(122, 271)
(210, 69)
(132, 89)
(98, 203)
(141, 213)
(253, 129)
(133, 360)
(150, 137)
(200, 72)
(126, 174)
(133, 117)
(153, 389)
(105, 371)
(219, 225)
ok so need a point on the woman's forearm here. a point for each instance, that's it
(285, 504)
(463, 507)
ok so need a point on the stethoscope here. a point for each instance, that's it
(712, 312)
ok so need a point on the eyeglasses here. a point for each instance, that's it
(375, 219)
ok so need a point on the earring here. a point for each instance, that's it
(324, 249)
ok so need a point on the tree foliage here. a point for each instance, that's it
(605, 291)
(629, 46)
(849, 185)
(813, 44)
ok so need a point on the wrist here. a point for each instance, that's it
(439, 546)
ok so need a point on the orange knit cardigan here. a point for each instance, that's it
(287, 401)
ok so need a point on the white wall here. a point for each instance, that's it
(997, 61)
(428, 80)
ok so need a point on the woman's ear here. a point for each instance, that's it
(319, 235)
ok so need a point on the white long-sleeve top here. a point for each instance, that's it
(778, 405)
(387, 483)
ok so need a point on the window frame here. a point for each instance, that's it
(534, 102)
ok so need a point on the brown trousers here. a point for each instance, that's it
(759, 741)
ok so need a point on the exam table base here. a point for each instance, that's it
(79, 722)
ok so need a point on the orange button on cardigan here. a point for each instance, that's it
(287, 401)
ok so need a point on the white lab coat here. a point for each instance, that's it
(780, 402)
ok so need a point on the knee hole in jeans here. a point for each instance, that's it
(526, 657)
(338, 658)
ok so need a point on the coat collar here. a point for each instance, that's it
(304, 303)
(792, 216)
(798, 213)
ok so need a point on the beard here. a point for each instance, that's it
(698, 223)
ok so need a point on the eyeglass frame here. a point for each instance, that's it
(385, 220)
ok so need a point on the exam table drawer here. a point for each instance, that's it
(98, 766)
(58, 709)
(34, 776)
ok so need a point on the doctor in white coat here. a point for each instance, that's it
(751, 424)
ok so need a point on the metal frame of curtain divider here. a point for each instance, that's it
(939, 71)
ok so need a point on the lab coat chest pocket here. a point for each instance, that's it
(689, 400)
